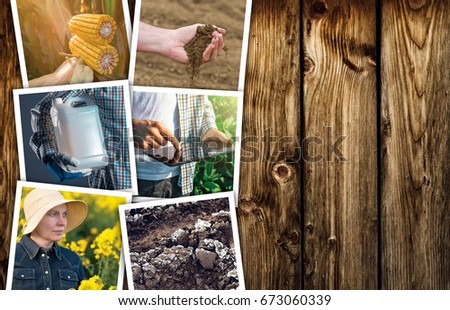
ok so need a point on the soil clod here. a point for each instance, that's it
(189, 246)
(195, 49)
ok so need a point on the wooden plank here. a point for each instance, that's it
(416, 145)
(340, 108)
(269, 195)
(9, 164)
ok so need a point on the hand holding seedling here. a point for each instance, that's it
(171, 42)
(149, 135)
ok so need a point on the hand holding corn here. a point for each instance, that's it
(92, 33)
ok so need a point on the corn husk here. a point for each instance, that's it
(71, 71)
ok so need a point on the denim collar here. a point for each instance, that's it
(32, 248)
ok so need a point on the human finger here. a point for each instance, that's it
(176, 158)
(220, 30)
(151, 143)
(218, 45)
(208, 54)
(157, 136)
(220, 40)
(215, 50)
(165, 133)
(163, 159)
(175, 143)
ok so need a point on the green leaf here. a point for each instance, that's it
(209, 169)
(212, 186)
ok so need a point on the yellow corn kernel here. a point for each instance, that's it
(101, 58)
(94, 28)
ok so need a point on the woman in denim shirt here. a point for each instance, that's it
(40, 263)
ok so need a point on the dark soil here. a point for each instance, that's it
(195, 49)
(183, 246)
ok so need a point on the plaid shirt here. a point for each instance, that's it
(196, 118)
(110, 101)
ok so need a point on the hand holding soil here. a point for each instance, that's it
(149, 135)
(192, 45)
(171, 42)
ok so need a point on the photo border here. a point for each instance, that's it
(244, 49)
(188, 199)
(208, 92)
(19, 42)
(15, 224)
(47, 89)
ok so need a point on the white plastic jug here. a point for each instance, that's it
(79, 132)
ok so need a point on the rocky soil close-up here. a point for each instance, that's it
(182, 246)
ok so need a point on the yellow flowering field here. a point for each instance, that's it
(97, 240)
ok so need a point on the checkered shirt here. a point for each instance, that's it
(196, 118)
(110, 101)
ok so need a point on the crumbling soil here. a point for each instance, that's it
(195, 49)
(182, 246)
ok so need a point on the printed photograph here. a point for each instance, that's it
(190, 44)
(71, 42)
(76, 136)
(188, 243)
(186, 141)
(66, 238)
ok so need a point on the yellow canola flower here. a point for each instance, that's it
(107, 243)
(93, 231)
(93, 283)
(21, 229)
(78, 247)
(86, 262)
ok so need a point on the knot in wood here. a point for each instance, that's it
(288, 242)
(247, 205)
(308, 65)
(318, 9)
(332, 242)
(417, 4)
(283, 172)
(291, 238)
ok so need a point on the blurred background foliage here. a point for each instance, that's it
(97, 240)
(215, 174)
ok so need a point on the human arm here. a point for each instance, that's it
(149, 135)
(171, 42)
(211, 136)
(43, 141)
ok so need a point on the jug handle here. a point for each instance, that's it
(82, 98)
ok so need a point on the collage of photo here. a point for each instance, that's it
(128, 131)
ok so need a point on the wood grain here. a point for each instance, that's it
(340, 108)
(416, 145)
(310, 223)
(9, 164)
(269, 193)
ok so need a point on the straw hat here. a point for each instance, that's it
(39, 201)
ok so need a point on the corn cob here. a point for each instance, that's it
(101, 58)
(94, 28)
